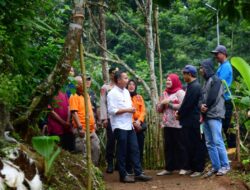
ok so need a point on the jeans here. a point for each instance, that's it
(127, 147)
(215, 144)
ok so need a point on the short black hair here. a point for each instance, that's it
(112, 69)
(118, 75)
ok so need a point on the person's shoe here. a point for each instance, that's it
(185, 172)
(142, 177)
(210, 173)
(127, 179)
(109, 169)
(231, 150)
(223, 171)
(196, 174)
(164, 172)
(130, 173)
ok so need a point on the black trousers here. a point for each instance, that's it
(127, 147)
(140, 140)
(226, 124)
(110, 146)
(196, 147)
(175, 152)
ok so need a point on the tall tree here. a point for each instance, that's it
(103, 42)
(150, 50)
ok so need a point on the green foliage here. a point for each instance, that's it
(9, 89)
(244, 69)
(46, 146)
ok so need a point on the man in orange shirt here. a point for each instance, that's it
(138, 118)
(77, 108)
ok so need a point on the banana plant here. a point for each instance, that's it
(46, 147)
(244, 69)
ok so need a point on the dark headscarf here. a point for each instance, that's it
(208, 68)
(134, 92)
(176, 84)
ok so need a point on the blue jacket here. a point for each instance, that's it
(225, 72)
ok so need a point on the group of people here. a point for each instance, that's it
(66, 118)
(192, 121)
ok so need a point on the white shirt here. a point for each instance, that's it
(119, 99)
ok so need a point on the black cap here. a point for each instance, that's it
(220, 49)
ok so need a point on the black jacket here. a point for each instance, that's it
(189, 112)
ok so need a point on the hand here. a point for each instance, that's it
(67, 125)
(165, 101)
(105, 123)
(131, 110)
(204, 108)
(138, 128)
(82, 133)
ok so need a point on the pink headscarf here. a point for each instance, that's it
(176, 84)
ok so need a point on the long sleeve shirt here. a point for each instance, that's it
(140, 110)
(189, 112)
(119, 99)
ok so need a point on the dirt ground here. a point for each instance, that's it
(174, 182)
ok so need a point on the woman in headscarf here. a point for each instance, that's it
(169, 103)
(138, 118)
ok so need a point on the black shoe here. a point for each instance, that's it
(142, 177)
(109, 170)
(127, 179)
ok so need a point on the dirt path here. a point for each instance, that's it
(173, 182)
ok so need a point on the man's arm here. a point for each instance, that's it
(56, 117)
(213, 92)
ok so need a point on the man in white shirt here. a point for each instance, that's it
(120, 110)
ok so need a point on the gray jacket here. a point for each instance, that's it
(212, 93)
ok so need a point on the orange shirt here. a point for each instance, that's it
(140, 111)
(76, 103)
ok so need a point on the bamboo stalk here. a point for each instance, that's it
(88, 145)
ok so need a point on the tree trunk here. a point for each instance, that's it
(150, 52)
(58, 76)
(156, 13)
(103, 42)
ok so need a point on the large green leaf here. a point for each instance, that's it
(243, 67)
(45, 145)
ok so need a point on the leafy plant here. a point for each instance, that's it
(46, 146)
(243, 68)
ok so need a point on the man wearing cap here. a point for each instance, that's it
(225, 72)
(189, 117)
